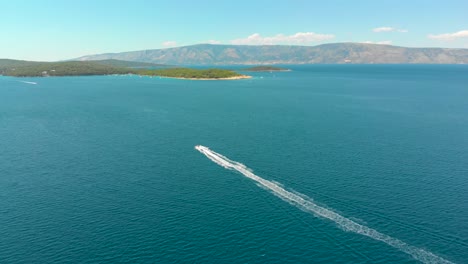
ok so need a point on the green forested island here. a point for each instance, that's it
(189, 73)
(107, 67)
(265, 68)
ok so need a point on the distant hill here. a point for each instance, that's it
(208, 54)
(264, 69)
(130, 64)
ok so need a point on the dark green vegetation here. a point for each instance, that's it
(68, 68)
(105, 67)
(192, 73)
(265, 68)
(6, 63)
(207, 54)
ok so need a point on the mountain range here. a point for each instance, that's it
(335, 53)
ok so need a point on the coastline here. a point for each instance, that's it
(206, 79)
(131, 74)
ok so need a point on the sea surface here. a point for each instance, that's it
(105, 170)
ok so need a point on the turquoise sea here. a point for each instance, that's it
(104, 169)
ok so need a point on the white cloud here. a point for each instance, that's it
(450, 36)
(212, 41)
(168, 44)
(298, 38)
(389, 29)
(385, 42)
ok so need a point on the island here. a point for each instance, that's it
(17, 68)
(265, 69)
(195, 74)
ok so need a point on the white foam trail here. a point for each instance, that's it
(308, 205)
(28, 82)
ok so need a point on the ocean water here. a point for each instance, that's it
(105, 170)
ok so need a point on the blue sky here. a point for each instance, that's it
(56, 30)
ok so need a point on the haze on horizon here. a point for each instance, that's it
(58, 30)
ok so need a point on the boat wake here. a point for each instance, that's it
(33, 83)
(305, 203)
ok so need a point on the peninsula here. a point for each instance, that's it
(18, 68)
